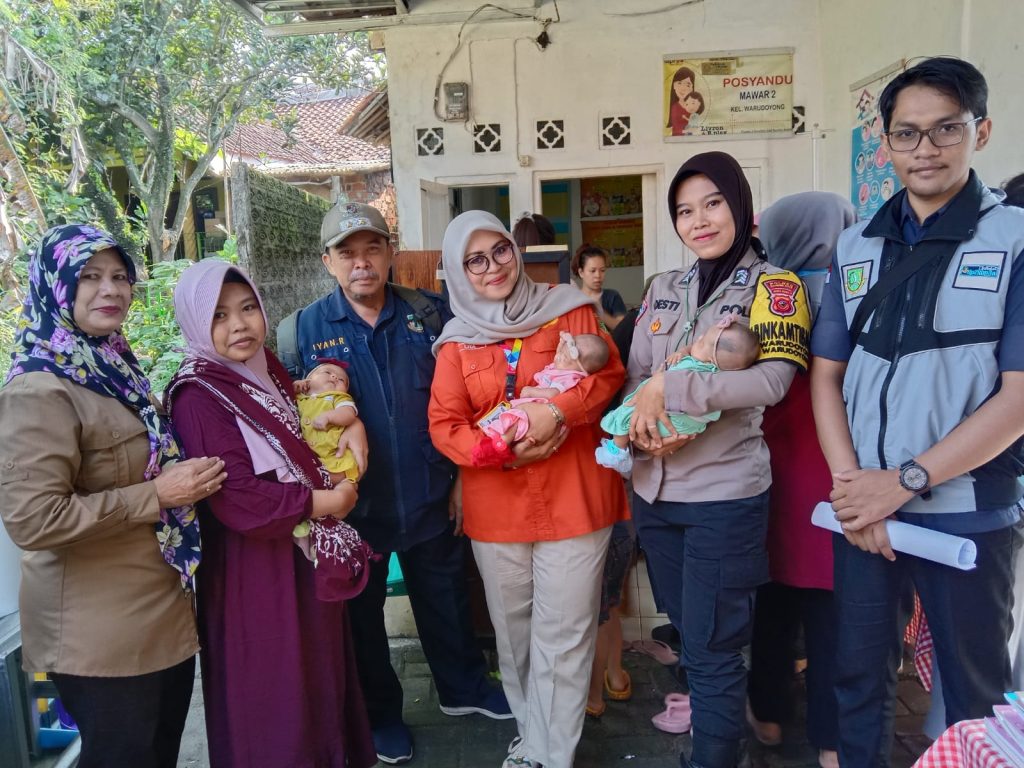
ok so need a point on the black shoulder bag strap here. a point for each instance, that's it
(924, 254)
(288, 343)
(423, 307)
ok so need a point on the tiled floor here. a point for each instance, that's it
(622, 737)
(639, 613)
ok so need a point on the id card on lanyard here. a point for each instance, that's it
(512, 352)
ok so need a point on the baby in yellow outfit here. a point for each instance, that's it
(325, 410)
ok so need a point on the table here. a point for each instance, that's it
(962, 745)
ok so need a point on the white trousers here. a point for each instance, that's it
(543, 599)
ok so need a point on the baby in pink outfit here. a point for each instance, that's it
(576, 357)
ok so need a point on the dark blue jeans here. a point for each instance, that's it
(708, 559)
(969, 616)
(435, 578)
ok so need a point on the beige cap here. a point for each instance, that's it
(346, 219)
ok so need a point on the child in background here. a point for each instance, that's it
(694, 104)
(325, 410)
(576, 357)
(729, 346)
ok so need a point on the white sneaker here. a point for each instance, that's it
(519, 762)
(515, 760)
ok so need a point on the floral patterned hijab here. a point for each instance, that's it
(48, 340)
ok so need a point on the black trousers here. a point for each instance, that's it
(129, 721)
(969, 616)
(779, 613)
(435, 578)
(708, 560)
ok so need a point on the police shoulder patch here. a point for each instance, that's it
(642, 312)
(781, 318)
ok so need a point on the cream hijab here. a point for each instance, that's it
(484, 321)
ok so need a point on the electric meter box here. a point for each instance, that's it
(456, 101)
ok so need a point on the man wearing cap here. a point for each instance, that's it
(405, 493)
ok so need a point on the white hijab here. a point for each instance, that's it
(485, 321)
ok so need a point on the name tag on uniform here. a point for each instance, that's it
(980, 270)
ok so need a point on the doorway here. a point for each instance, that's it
(605, 211)
(492, 198)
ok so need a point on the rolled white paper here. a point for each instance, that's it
(936, 546)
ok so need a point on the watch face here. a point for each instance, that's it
(915, 478)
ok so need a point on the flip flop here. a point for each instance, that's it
(624, 694)
(596, 712)
(676, 717)
(656, 649)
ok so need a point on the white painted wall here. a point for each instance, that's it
(602, 62)
(599, 63)
(862, 37)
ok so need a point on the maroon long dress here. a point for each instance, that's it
(280, 685)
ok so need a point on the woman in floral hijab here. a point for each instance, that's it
(94, 489)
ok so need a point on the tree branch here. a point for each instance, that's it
(128, 113)
(127, 154)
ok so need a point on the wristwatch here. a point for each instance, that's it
(915, 479)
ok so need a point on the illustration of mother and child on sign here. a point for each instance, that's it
(685, 104)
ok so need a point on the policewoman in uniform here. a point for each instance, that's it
(701, 506)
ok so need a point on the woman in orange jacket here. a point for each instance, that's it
(540, 513)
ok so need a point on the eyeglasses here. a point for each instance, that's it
(478, 263)
(945, 135)
(570, 345)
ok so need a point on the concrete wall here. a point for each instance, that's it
(863, 37)
(600, 62)
(605, 58)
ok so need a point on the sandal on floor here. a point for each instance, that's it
(676, 717)
(657, 650)
(624, 694)
(596, 712)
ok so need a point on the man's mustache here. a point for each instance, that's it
(363, 274)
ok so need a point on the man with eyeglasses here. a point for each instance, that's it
(918, 391)
(383, 333)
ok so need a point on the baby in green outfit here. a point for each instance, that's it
(728, 346)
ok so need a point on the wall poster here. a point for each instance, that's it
(611, 217)
(727, 94)
(872, 177)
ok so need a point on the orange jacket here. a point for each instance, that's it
(568, 494)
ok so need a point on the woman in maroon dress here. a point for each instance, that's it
(279, 679)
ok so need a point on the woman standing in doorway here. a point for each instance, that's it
(701, 508)
(590, 265)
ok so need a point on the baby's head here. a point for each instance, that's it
(694, 104)
(729, 345)
(328, 377)
(585, 352)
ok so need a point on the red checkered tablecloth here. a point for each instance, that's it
(962, 745)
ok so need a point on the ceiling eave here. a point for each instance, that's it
(385, 15)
